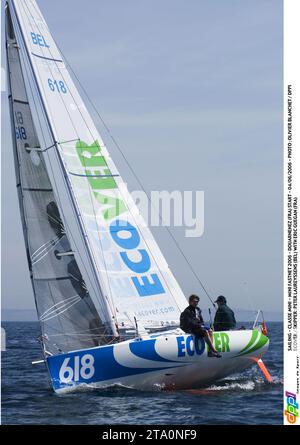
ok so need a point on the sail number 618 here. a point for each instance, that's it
(82, 367)
(57, 85)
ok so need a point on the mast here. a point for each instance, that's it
(63, 188)
(69, 319)
(121, 264)
(9, 32)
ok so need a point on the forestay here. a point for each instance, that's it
(67, 314)
(132, 273)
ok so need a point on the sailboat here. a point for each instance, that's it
(107, 301)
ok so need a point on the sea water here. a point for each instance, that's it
(27, 398)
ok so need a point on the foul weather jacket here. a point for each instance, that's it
(191, 319)
(224, 319)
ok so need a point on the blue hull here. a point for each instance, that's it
(158, 362)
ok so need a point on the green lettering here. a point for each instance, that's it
(101, 183)
(225, 342)
(90, 155)
(217, 340)
(117, 205)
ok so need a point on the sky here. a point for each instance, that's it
(192, 92)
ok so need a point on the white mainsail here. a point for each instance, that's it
(122, 265)
(67, 314)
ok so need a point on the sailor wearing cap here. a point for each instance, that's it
(224, 318)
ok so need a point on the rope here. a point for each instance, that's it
(128, 206)
(110, 300)
(17, 34)
(136, 176)
(99, 300)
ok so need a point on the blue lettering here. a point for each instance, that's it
(199, 348)
(148, 288)
(33, 36)
(21, 133)
(144, 287)
(45, 44)
(139, 267)
(292, 401)
(124, 226)
(189, 348)
(181, 346)
(38, 39)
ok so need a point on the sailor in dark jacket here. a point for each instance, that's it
(191, 322)
(224, 318)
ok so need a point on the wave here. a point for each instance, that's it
(238, 383)
(84, 387)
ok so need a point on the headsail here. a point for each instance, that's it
(130, 268)
(67, 314)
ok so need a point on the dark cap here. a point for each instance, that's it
(221, 299)
(193, 297)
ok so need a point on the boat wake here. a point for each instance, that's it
(239, 383)
(110, 389)
(230, 384)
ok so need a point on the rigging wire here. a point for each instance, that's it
(135, 175)
(74, 242)
(20, 54)
(89, 129)
(112, 307)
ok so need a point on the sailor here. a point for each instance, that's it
(224, 318)
(191, 322)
